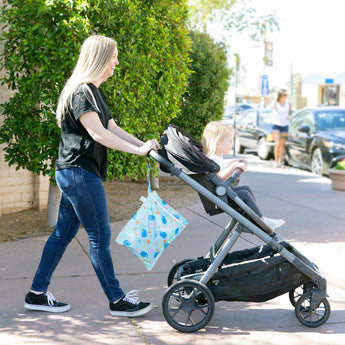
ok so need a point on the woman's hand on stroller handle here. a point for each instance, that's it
(148, 146)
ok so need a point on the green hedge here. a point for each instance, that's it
(43, 39)
(207, 84)
(40, 51)
(152, 75)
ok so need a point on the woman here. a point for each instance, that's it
(281, 118)
(87, 130)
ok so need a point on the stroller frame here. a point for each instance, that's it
(197, 282)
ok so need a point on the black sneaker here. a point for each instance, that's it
(130, 306)
(45, 302)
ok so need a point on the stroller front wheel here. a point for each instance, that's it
(295, 295)
(309, 315)
(188, 305)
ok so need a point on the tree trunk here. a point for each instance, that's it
(155, 179)
(53, 205)
(155, 182)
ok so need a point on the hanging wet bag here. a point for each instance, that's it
(152, 228)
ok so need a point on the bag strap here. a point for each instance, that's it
(148, 176)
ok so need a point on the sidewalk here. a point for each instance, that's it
(315, 224)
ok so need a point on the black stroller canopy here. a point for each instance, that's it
(185, 152)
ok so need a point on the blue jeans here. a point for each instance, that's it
(281, 129)
(247, 196)
(83, 201)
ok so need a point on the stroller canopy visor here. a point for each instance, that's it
(185, 152)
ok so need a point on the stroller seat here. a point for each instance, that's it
(186, 153)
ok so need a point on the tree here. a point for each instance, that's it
(204, 99)
(234, 15)
(152, 75)
(42, 42)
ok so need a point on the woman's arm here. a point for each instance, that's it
(115, 129)
(94, 127)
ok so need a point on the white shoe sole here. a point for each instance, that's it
(47, 308)
(131, 313)
(278, 225)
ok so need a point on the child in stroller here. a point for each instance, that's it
(217, 140)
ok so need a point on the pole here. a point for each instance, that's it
(291, 79)
(263, 72)
(237, 57)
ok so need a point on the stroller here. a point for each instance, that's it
(256, 274)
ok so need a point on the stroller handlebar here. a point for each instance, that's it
(160, 159)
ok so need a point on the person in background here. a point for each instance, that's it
(282, 114)
(217, 139)
(87, 131)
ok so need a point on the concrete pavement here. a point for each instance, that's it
(315, 224)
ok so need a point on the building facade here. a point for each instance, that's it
(323, 90)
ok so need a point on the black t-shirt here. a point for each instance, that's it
(77, 148)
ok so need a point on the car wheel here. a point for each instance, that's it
(238, 147)
(262, 149)
(317, 162)
(286, 159)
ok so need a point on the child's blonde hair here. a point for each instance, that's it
(213, 134)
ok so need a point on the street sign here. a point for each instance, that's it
(265, 86)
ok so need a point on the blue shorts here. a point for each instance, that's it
(281, 129)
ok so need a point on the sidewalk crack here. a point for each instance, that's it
(137, 328)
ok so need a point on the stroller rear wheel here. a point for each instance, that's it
(309, 315)
(173, 275)
(294, 295)
(188, 305)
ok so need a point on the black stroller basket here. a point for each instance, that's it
(256, 274)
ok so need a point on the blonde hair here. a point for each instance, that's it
(94, 57)
(213, 134)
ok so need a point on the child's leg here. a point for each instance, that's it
(247, 196)
(247, 188)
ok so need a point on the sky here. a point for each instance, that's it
(310, 40)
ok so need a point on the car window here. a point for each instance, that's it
(266, 118)
(296, 119)
(246, 107)
(308, 120)
(249, 117)
(331, 120)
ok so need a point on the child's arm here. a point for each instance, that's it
(230, 169)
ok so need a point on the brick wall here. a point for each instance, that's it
(19, 189)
